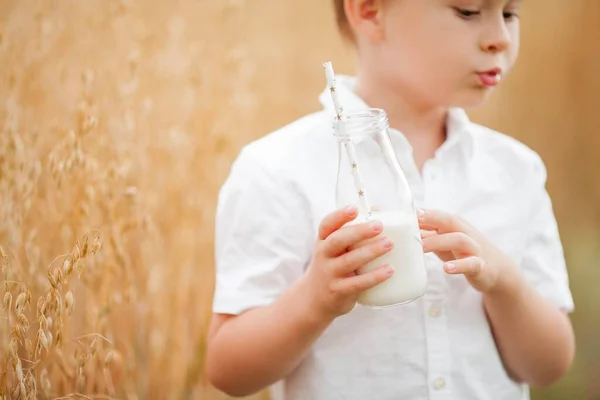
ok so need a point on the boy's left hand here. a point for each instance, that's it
(463, 249)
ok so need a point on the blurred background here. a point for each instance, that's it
(119, 120)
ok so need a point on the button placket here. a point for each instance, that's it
(438, 349)
(435, 310)
(431, 172)
(429, 183)
(439, 383)
(436, 328)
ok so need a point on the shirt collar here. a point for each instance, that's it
(458, 123)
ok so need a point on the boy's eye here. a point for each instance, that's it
(464, 13)
(510, 16)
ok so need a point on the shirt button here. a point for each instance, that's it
(439, 384)
(435, 311)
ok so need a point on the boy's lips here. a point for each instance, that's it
(491, 77)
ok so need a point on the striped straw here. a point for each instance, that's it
(351, 152)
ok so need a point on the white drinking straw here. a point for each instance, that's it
(341, 131)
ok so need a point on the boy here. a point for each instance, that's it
(494, 318)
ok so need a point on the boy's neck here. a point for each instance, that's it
(424, 127)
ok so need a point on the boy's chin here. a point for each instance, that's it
(472, 98)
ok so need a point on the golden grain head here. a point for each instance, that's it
(59, 338)
(76, 253)
(53, 299)
(109, 358)
(43, 321)
(30, 382)
(84, 247)
(19, 332)
(69, 302)
(7, 301)
(20, 303)
(43, 306)
(81, 360)
(22, 320)
(29, 347)
(96, 246)
(13, 349)
(94, 347)
(67, 266)
(45, 381)
(43, 340)
(58, 275)
(19, 371)
(52, 279)
(49, 337)
(23, 390)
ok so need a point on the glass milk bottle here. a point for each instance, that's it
(370, 177)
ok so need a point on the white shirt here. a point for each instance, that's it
(438, 347)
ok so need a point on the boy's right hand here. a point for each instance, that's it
(340, 250)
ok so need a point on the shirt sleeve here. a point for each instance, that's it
(263, 236)
(544, 262)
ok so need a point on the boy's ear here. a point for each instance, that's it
(365, 18)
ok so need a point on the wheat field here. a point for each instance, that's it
(119, 120)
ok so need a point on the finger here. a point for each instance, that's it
(361, 256)
(336, 220)
(455, 242)
(471, 266)
(339, 241)
(440, 221)
(360, 283)
(427, 234)
(363, 243)
(445, 255)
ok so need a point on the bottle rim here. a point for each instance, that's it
(361, 123)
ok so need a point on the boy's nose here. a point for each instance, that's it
(496, 39)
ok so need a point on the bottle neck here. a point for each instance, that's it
(361, 124)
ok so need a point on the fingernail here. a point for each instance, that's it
(377, 226)
(450, 267)
(389, 270)
(350, 210)
(387, 244)
(420, 213)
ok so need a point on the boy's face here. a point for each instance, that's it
(446, 52)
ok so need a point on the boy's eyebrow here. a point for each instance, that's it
(492, 2)
(506, 2)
